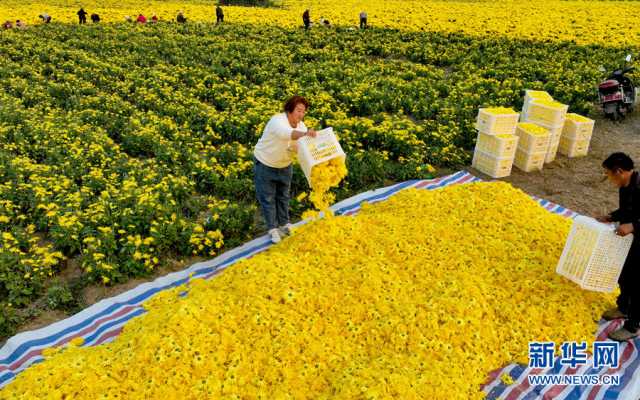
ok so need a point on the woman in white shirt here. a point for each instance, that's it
(272, 169)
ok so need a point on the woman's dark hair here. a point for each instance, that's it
(291, 104)
(618, 161)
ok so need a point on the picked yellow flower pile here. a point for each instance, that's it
(550, 103)
(533, 129)
(417, 297)
(499, 110)
(577, 118)
(324, 177)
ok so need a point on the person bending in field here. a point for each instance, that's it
(95, 18)
(141, 19)
(154, 19)
(272, 169)
(46, 18)
(82, 16)
(181, 18)
(7, 25)
(620, 171)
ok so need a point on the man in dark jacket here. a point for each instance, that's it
(219, 15)
(620, 171)
(82, 16)
(306, 19)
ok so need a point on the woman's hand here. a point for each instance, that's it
(603, 218)
(625, 229)
(312, 133)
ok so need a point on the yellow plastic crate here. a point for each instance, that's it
(574, 148)
(497, 121)
(547, 112)
(528, 162)
(554, 138)
(554, 130)
(593, 255)
(314, 151)
(499, 146)
(577, 127)
(533, 138)
(492, 166)
(529, 96)
(552, 152)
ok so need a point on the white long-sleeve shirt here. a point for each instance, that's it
(273, 147)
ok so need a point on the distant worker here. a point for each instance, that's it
(82, 16)
(7, 25)
(363, 19)
(181, 18)
(95, 18)
(154, 18)
(21, 24)
(46, 18)
(141, 19)
(306, 19)
(219, 15)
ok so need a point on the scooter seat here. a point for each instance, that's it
(609, 84)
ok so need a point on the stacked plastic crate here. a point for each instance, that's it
(576, 136)
(540, 108)
(529, 97)
(532, 148)
(497, 143)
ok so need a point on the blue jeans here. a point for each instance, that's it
(272, 190)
